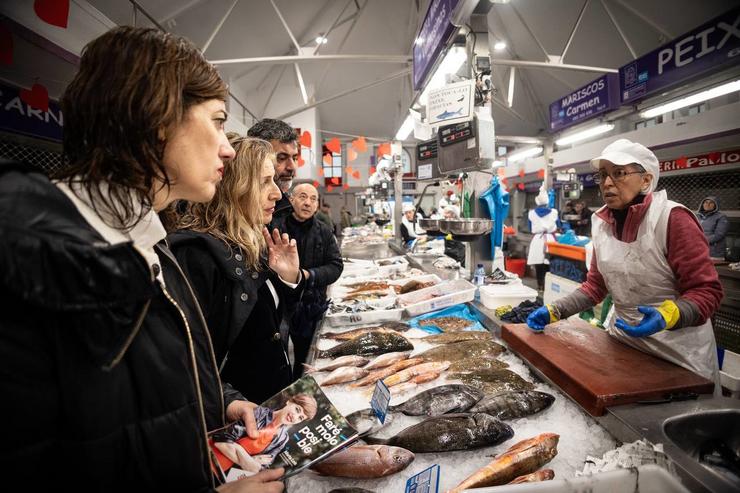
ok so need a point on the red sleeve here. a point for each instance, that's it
(594, 287)
(688, 255)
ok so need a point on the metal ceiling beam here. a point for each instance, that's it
(536, 39)
(272, 91)
(510, 92)
(267, 60)
(647, 20)
(345, 93)
(285, 25)
(554, 66)
(619, 30)
(219, 26)
(575, 28)
(180, 10)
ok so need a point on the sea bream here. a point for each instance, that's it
(462, 350)
(365, 462)
(455, 398)
(386, 359)
(351, 360)
(512, 405)
(369, 344)
(450, 432)
(344, 374)
(522, 458)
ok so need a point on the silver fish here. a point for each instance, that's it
(386, 359)
(351, 360)
(344, 374)
(455, 398)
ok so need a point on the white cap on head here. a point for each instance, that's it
(623, 152)
(454, 210)
(542, 197)
(407, 206)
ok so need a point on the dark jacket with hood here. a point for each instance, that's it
(715, 226)
(283, 208)
(239, 307)
(109, 382)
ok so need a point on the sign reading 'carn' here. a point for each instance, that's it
(701, 161)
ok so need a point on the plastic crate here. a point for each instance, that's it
(400, 265)
(567, 251)
(362, 318)
(445, 294)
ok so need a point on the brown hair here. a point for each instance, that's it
(307, 402)
(134, 86)
(235, 213)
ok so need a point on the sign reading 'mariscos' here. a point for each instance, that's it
(596, 97)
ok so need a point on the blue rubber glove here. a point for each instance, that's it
(651, 323)
(539, 318)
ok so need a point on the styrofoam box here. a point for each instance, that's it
(643, 479)
(557, 287)
(494, 296)
(361, 318)
(447, 294)
(339, 288)
(386, 270)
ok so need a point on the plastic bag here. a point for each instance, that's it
(462, 310)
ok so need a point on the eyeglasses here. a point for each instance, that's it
(618, 175)
(303, 196)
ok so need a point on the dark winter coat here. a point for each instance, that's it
(241, 313)
(283, 208)
(715, 226)
(108, 381)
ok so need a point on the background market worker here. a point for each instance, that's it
(108, 377)
(543, 222)
(284, 141)
(650, 254)
(410, 229)
(321, 263)
(715, 226)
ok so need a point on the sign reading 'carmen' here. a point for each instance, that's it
(596, 97)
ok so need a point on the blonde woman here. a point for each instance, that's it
(242, 274)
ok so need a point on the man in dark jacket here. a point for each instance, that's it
(284, 140)
(715, 226)
(321, 263)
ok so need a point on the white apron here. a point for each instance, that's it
(413, 229)
(638, 273)
(542, 230)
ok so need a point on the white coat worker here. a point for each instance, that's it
(410, 229)
(651, 255)
(543, 222)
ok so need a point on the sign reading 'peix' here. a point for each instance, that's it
(596, 97)
(710, 46)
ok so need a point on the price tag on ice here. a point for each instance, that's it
(380, 401)
(427, 481)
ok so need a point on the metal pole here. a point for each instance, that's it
(181, 10)
(512, 79)
(133, 16)
(619, 29)
(272, 92)
(575, 28)
(345, 93)
(266, 60)
(285, 25)
(554, 66)
(645, 19)
(219, 26)
(521, 19)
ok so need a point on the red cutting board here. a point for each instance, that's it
(595, 369)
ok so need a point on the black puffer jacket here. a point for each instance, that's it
(108, 382)
(240, 311)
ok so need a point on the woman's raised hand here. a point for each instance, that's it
(283, 255)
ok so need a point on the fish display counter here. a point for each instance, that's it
(459, 399)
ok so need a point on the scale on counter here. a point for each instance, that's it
(466, 146)
(427, 160)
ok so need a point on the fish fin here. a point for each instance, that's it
(309, 369)
(370, 440)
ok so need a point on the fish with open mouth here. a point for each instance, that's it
(369, 344)
(512, 405)
(450, 432)
(454, 398)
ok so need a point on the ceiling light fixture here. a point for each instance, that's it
(321, 40)
(524, 154)
(405, 129)
(699, 97)
(585, 134)
(500, 45)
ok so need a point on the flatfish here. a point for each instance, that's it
(450, 432)
(512, 405)
(493, 381)
(447, 324)
(462, 350)
(369, 344)
(365, 462)
(454, 398)
(452, 337)
(472, 364)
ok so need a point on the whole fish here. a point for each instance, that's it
(423, 378)
(369, 344)
(450, 432)
(493, 381)
(447, 324)
(365, 421)
(522, 458)
(344, 374)
(386, 359)
(381, 373)
(415, 371)
(541, 475)
(365, 462)
(444, 399)
(351, 360)
(453, 337)
(462, 350)
(512, 405)
(470, 364)
(351, 334)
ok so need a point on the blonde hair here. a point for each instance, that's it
(235, 213)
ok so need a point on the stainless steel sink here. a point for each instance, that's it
(710, 437)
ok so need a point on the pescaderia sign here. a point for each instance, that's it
(701, 161)
(596, 97)
(709, 47)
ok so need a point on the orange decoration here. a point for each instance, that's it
(372, 169)
(321, 171)
(316, 184)
(327, 159)
(329, 188)
(334, 145)
(541, 174)
(37, 97)
(54, 12)
(301, 162)
(345, 186)
(351, 154)
(334, 181)
(520, 186)
(305, 139)
(384, 148)
(521, 173)
(356, 175)
(349, 169)
(359, 144)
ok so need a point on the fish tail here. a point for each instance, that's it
(370, 440)
(309, 369)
